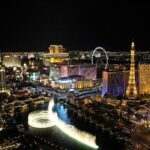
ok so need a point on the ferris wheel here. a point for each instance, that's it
(101, 54)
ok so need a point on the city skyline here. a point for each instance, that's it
(64, 100)
(76, 26)
(74, 75)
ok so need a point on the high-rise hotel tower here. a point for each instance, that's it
(57, 56)
(2, 76)
(131, 92)
(144, 79)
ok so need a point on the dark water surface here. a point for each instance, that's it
(56, 136)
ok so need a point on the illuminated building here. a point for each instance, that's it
(12, 59)
(45, 60)
(87, 70)
(2, 77)
(57, 56)
(55, 72)
(144, 79)
(74, 69)
(131, 92)
(17, 59)
(64, 71)
(115, 82)
(74, 82)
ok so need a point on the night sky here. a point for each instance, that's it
(36, 24)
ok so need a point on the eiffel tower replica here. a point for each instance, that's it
(131, 92)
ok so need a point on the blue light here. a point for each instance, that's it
(65, 81)
(62, 113)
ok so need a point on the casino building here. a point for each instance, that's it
(144, 79)
(115, 82)
(74, 82)
(87, 70)
(57, 55)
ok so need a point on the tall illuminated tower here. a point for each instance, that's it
(131, 91)
(2, 76)
(57, 56)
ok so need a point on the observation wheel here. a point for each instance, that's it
(99, 54)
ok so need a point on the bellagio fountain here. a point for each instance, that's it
(49, 118)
